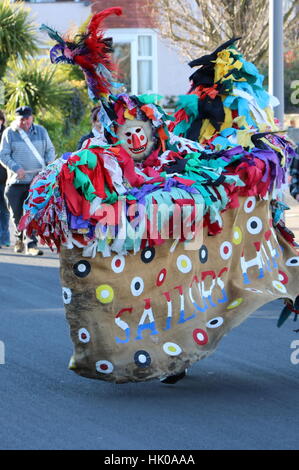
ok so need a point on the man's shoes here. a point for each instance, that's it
(34, 251)
(19, 246)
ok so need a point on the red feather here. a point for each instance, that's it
(98, 18)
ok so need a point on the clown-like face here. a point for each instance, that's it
(137, 138)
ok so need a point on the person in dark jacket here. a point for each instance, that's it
(97, 129)
(4, 212)
(294, 172)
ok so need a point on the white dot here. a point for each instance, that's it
(81, 268)
(105, 294)
(142, 358)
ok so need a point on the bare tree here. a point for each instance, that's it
(194, 27)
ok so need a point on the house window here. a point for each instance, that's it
(135, 52)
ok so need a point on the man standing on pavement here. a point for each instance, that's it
(25, 149)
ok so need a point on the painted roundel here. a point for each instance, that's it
(255, 291)
(84, 335)
(142, 358)
(104, 293)
(161, 277)
(105, 367)
(237, 235)
(200, 336)
(254, 225)
(184, 264)
(137, 286)
(82, 268)
(226, 250)
(203, 254)
(66, 295)
(294, 261)
(249, 204)
(215, 322)
(279, 286)
(118, 264)
(148, 254)
(282, 277)
(235, 303)
(172, 349)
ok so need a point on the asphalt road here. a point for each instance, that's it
(244, 396)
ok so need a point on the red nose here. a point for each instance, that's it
(136, 141)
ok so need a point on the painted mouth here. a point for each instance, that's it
(138, 150)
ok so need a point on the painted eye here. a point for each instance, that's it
(137, 286)
(226, 250)
(105, 367)
(84, 335)
(184, 264)
(282, 277)
(118, 264)
(104, 293)
(294, 261)
(161, 277)
(128, 134)
(252, 289)
(172, 349)
(249, 204)
(200, 336)
(235, 303)
(215, 322)
(142, 358)
(237, 235)
(82, 268)
(148, 254)
(138, 130)
(66, 295)
(203, 254)
(254, 225)
(279, 286)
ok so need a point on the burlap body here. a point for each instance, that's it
(153, 314)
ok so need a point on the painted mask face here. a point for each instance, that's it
(137, 138)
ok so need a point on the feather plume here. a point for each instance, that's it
(91, 51)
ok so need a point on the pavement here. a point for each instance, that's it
(244, 396)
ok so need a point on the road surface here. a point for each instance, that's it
(244, 396)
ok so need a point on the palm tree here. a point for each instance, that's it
(36, 84)
(18, 38)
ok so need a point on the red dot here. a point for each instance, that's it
(249, 204)
(83, 335)
(117, 263)
(104, 366)
(225, 250)
(142, 137)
